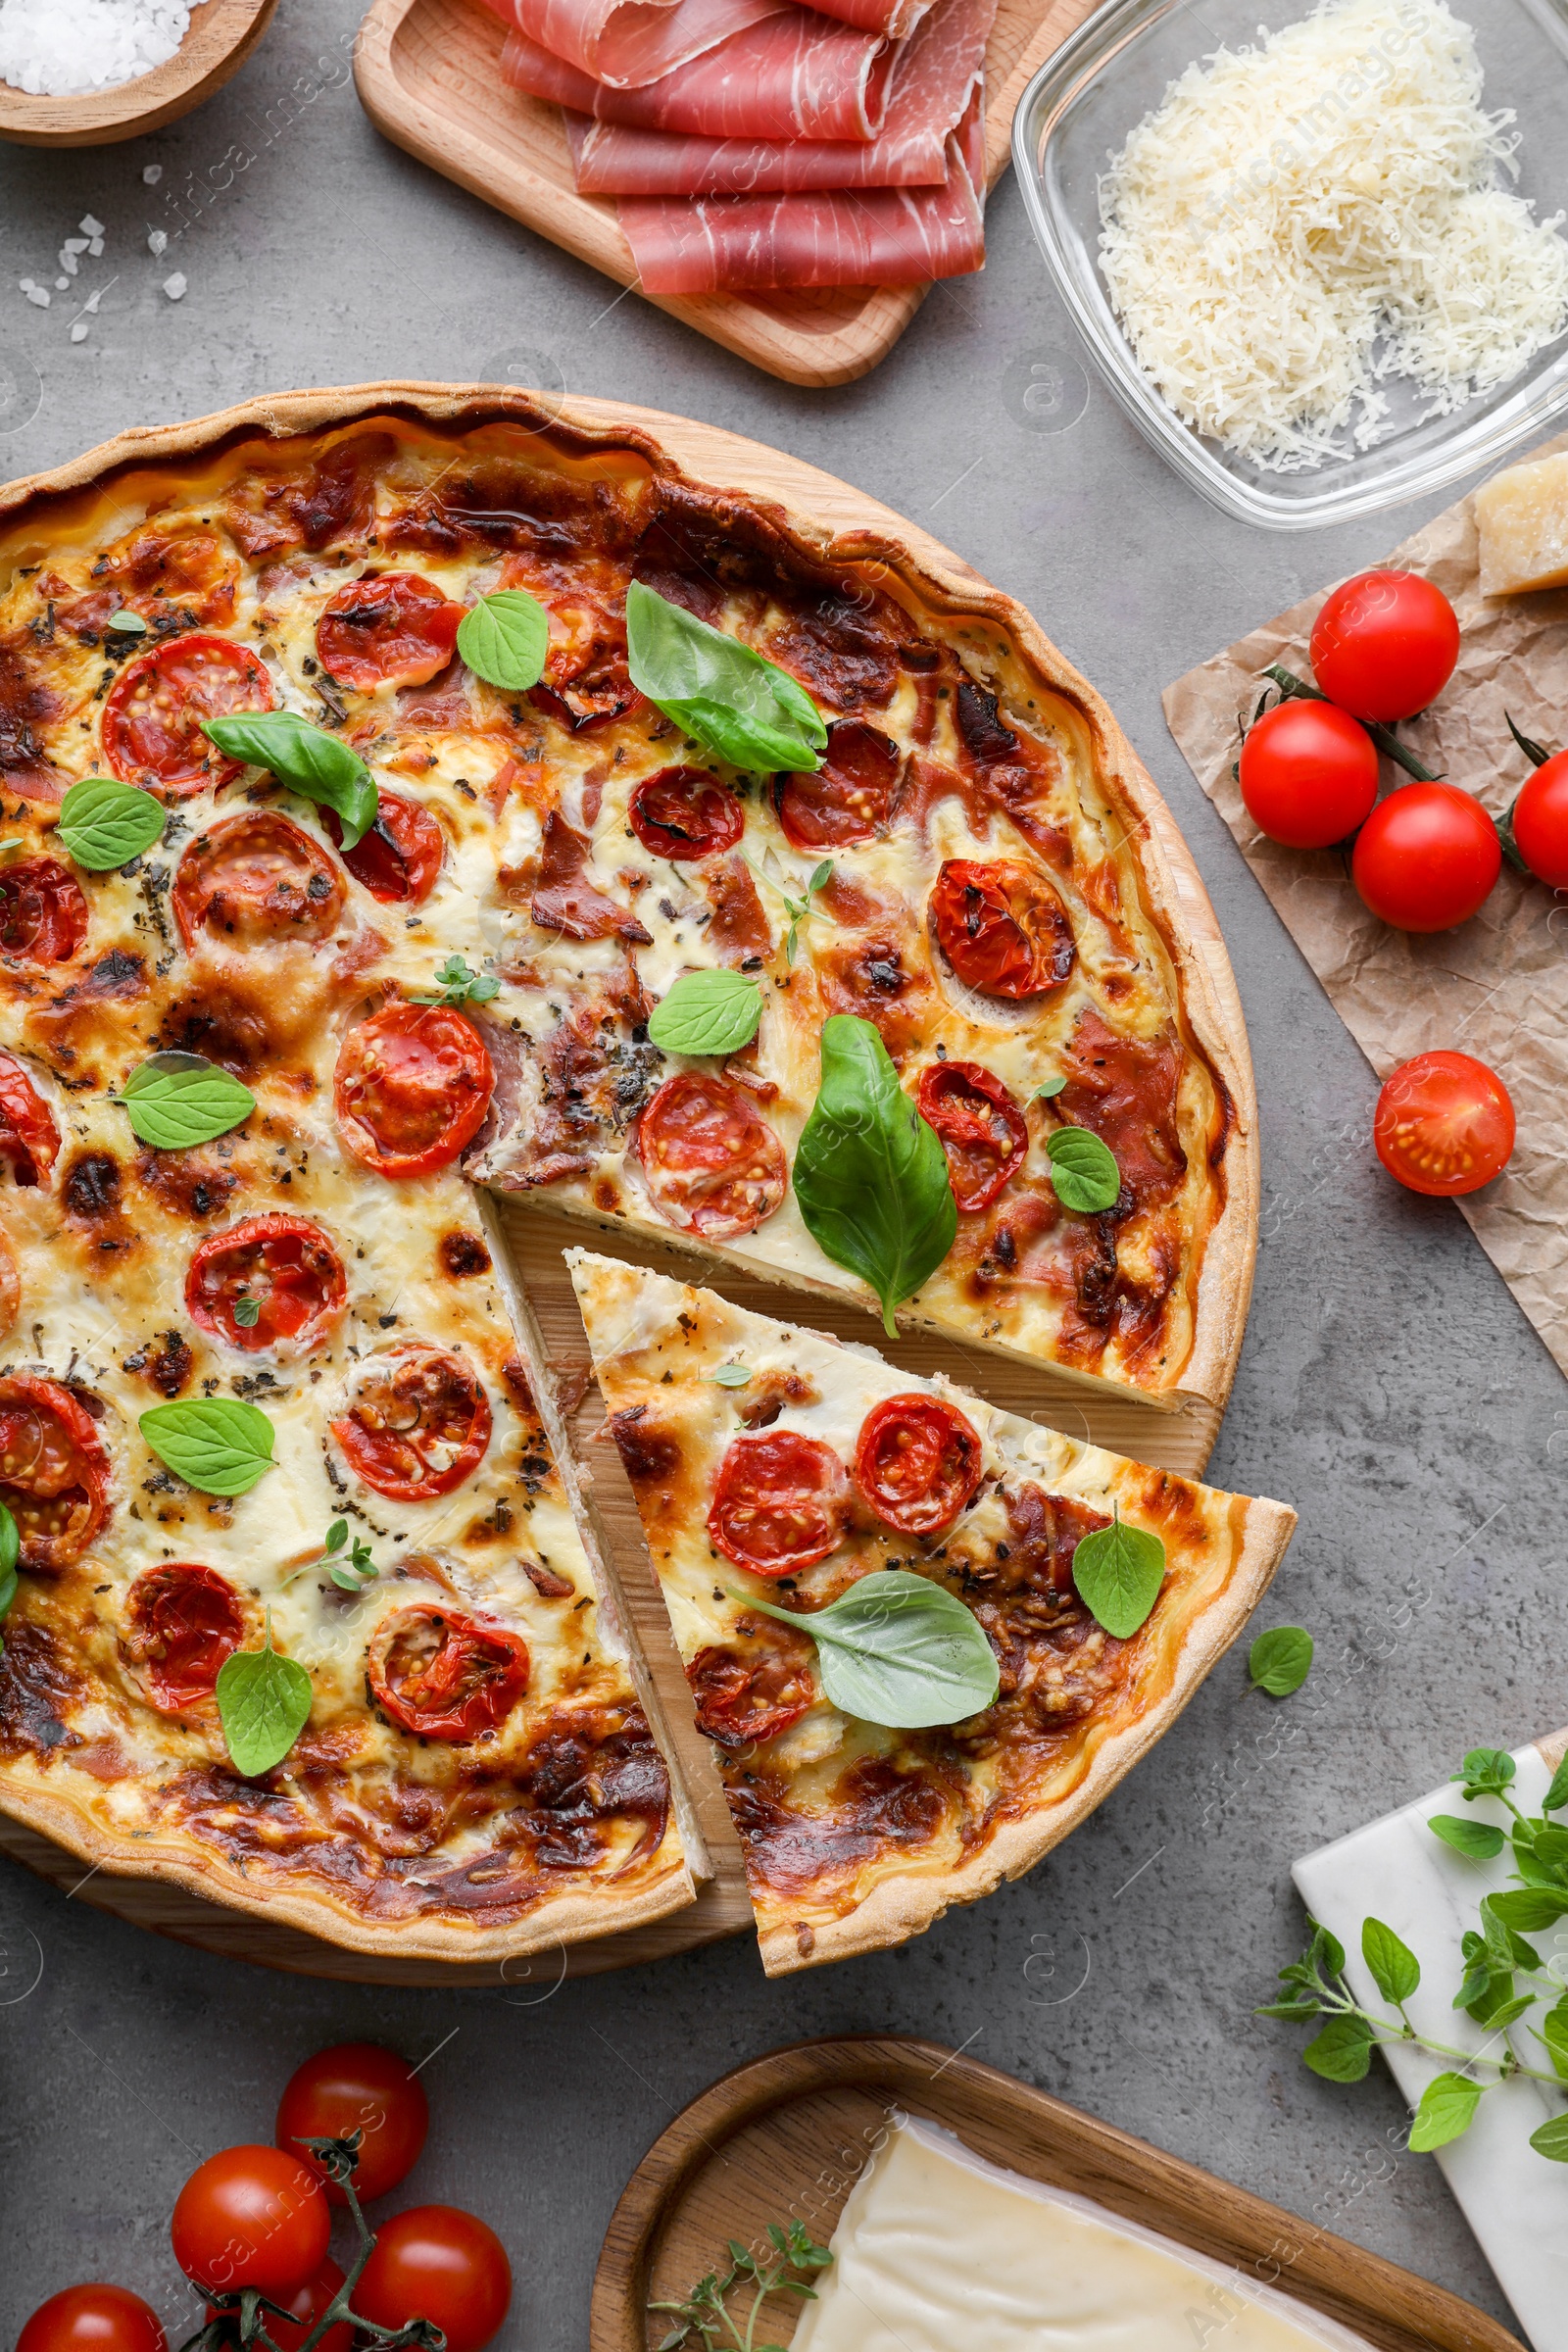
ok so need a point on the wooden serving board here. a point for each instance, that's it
(429, 77)
(789, 2135)
(221, 35)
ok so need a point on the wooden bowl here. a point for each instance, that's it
(222, 33)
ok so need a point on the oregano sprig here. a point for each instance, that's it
(703, 2310)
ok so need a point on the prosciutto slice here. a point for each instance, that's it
(895, 17)
(932, 81)
(796, 75)
(629, 42)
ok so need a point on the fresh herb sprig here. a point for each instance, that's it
(456, 986)
(704, 2311)
(359, 1569)
(800, 910)
(10, 1554)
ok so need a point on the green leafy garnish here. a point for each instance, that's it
(174, 1101)
(800, 910)
(10, 1553)
(104, 824)
(353, 1574)
(1446, 2110)
(319, 767)
(1051, 1088)
(731, 1376)
(129, 624)
(503, 639)
(1395, 1970)
(745, 707)
(1280, 1660)
(456, 984)
(1083, 1170)
(871, 1176)
(247, 1312)
(708, 1012)
(899, 1650)
(701, 2311)
(1118, 1571)
(215, 1443)
(264, 1703)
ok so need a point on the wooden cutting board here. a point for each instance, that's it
(429, 77)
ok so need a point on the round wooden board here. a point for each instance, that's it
(222, 33)
(1178, 1439)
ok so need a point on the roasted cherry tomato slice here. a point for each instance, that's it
(181, 1622)
(251, 2216)
(743, 1699)
(1001, 927)
(358, 2087)
(30, 1140)
(400, 858)
(918, 1463)
(307, 2304)
(43, 915)
(685, 812)
(850, 798)
(284, 1267)
(395, 630)
(983, 1132)
(1541, 823)
(417, 1424)
(713, 1164)
(1309, 775)
(1383, 644)
(153, 719)
(411, 1087)
(437, 2263)
(1427, 857)
(54, 1468)
(1445, 1124)
(780, 1501)
(93, 2319)
(256, 879)
(446, 1677)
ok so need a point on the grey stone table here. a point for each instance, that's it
(1390, 1387)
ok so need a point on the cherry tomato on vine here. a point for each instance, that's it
(358, 2087)
(1443, 1124)
(1385, 645)
(306, 2303)
(251, 2216)
(1427, 857)
(1541, 823)
(1309, 775)
(437, 2263)
(93, 2319)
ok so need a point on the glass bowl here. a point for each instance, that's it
(1079, 110)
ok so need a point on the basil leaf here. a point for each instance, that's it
(319, 767)
(1280, 1660)
(218, 1446)
(264, 1703)
(743, 707)
(1050, 1089)
(503, 639)
(104, 824)
(871, 1176)
(1556, 1799)
(1083, 1170)
(898, 1650)
(10, 1553)
(1342, 2052)
(1485, 1771)
(177, 1099)
(1395, 1970)
(1327, 1953)
(708, 1012)
(1554, 2034)
(1478, 1840)
(1528, 1909)
(1552, 2139)
(1446, 2110)
(731, 1376)
(1118, 1571)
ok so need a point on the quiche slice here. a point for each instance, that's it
(775, 1470)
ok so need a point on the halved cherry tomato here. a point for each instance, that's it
(917, 1462)
(400, 858)
(54, 1468)
(685, 812)
(1541, 823)
(307, 2304)
(285, 1266)
(437, 2263)
(713, 1164)
(446, 1677)
(417, 1424)
(358, 2087)
(181, 1622)
(29, 1137)
(251, 2216)
(43, 915)
(743, 1699)
(1001, 927)
(780, 1501)
(983, 1132)
(152, 727)
(1445, 1124)
(1385, 645)
(1309, 775)
(394, 630)
(1427, 857)
(412, 1087)
(257, 878)
(850, 798)
(93, 2319)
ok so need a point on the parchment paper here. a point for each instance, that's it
(1497, 988)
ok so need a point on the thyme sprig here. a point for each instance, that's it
(704, 2311)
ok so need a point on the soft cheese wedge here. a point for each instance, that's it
(775, 1466)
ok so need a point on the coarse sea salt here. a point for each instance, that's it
(65, 48)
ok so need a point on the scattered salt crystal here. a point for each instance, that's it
(79, 334)
(93, 300)
(96, 247)
(69, 262)
(157, 241)
(90, 227)
(152, 175)
(60, 283)
(38, 294)
(75, 244)
(175, 286)
(62, 48)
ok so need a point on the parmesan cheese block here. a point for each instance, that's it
(937, 2251)
(1523, 517)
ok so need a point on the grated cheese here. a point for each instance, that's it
(1297, 224)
